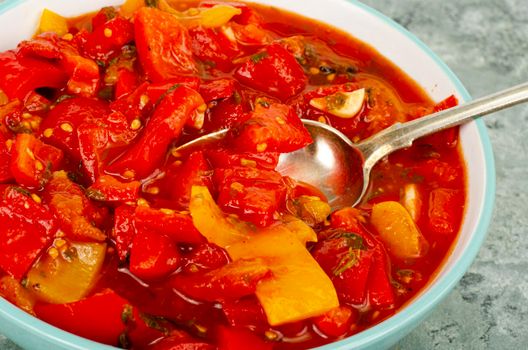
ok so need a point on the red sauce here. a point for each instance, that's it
(105, 105)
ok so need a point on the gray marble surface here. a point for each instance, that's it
(486, 43)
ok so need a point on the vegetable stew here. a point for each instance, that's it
(109, 233)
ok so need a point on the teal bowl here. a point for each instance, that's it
(19, 18)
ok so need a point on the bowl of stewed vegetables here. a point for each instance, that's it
(112, 237)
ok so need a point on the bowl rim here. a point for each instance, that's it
(402, 321)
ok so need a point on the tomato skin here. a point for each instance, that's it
(273, 128)
(21, 75)
(153, 256)
(97, 317)
(163, 44)
(73, 111)
(26, 229)
(273, 71)
(32, 160)
(165, 125)
(212, 46)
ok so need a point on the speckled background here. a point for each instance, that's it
(486, 43)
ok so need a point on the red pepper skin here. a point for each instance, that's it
(445, 208)
(225, 115)
(336, 322)
(99, 46)
(124, 230)
(103, 15)
(226, 158)
(179, 179)
(178, 227)
(231, 338)
(271, 128)
(127, 82)
(230, 282)
(163, 44)
(156, 91)
(73, 112)
(5, 160)
(205, 256)
(380, 290)
(153, 256)
(26, 229)
(212, 46)
(245, 312)
(253, 194)
(178, 342)
(274, 71)
(21, 75)
(109, 189)
(437, 171)
(98, 317)
(218, 89)
(77, 215)
(165, 125)
(32, 160)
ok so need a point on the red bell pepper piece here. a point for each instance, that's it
(447, 138)
(127, 82)
(218, 89)
(230, 282)
(66, 117)
(437, 171)
(205, 256)
(153, 256)
(253, 194)
(230, 338)
(178, 227)
(445, 209)
(213, 47)
(32, 160)
(226, 158)
(380, 291)
(103, 15)
(274, 71)
(98, 317)
(336, 322)
(109, 189)
(77, 216)
(21, 75)
(179, 179)
(156, 91)
(163, 44)
(273, 128)
(5, 160)
(124, 230)
(177, 342)
(135, 105)
(26, 229)
(165, 125)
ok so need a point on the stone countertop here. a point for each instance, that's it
(485, 42)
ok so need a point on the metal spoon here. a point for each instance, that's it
(341, 169)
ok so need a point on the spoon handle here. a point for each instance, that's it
(402, 135)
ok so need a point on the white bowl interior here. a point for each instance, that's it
(20, 22)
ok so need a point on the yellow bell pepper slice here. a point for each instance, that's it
(218, 15)
(298, 288)
(52, 22)
(398, 231)
(130, 7)
(67, 276)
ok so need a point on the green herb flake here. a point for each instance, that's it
(256, 58)
(127, 314)
(151, 3)
(153, 322)
(348, 260)
(95, 195)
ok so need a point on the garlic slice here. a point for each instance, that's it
(341, 104)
